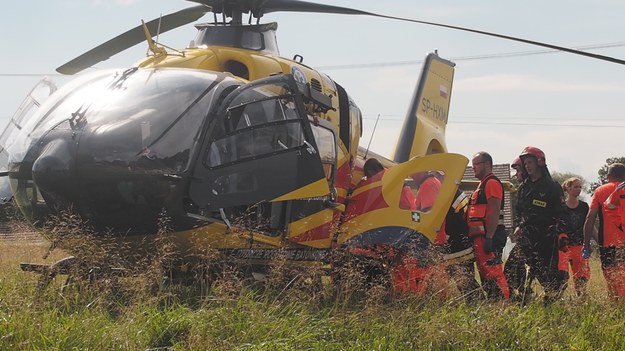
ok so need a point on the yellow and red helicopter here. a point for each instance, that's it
(254, 154)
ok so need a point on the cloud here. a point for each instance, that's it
(517, 82)
(394, 79)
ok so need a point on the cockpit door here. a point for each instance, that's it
(260, 147)
(411, 197)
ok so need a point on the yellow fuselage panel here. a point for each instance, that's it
(433, 110)
(259, 65)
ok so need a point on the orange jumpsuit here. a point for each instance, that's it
(489, 265)
(573, 227)
(611, 240)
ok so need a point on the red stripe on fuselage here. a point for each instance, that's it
(318, 233)
(367, 201)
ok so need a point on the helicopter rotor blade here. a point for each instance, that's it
(502, 36)
(133, 37)
(260, 7)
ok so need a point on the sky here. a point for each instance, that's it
(506, 95)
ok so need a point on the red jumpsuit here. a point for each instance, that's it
(611, 240)
(573, 226)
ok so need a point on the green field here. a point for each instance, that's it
(139, 313)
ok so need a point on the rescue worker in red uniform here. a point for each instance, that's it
(486, 229)
(373, 260)
(539, 212)
(432, 275)
(611, 236)
(383, 264)
(425, 274)
(515, 268)
(575, 212)
(429, 186)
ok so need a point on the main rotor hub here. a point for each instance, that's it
(257, 37)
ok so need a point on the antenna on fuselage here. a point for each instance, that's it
(372, 133)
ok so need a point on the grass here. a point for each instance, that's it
(132, 314)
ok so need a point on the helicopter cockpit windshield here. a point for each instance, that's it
(113, 131)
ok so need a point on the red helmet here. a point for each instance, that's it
(536, 152)
(517, 163)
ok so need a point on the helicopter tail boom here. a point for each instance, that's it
(423, 131)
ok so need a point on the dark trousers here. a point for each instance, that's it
(463, 275)
(542, 258)
(515, 271)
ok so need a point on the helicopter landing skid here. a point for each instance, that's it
(64, 266)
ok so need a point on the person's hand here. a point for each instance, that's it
(586, 250)
(488, 245)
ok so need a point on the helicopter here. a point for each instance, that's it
(256, 154)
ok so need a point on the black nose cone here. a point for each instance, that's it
(52, 169)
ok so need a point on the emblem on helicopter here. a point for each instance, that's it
(299, 75)
(416, 217)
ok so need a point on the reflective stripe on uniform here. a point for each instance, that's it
(458, 257)
(460, 202)
(476, 228)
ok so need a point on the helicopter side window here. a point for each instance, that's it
(327, 148)
(260, 112)
(260, 123)
(421, 190)
(255, 142)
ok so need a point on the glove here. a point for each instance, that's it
(563, 242)
(586, 252)
(488, 245)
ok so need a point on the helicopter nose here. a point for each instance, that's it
(51, 170)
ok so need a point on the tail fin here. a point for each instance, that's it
(423, 131)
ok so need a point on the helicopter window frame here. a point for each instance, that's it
(225, 151)
(330, 162)
(277, 91)
(287, 113)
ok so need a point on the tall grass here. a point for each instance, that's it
(294, 310)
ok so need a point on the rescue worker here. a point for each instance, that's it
(428, 187)
(539, 212)
(515, 268)
(379, 262)
(370, 259)
(424, 274)
(575, 212)
(432, 275)
(611, 237)
(486, 229)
